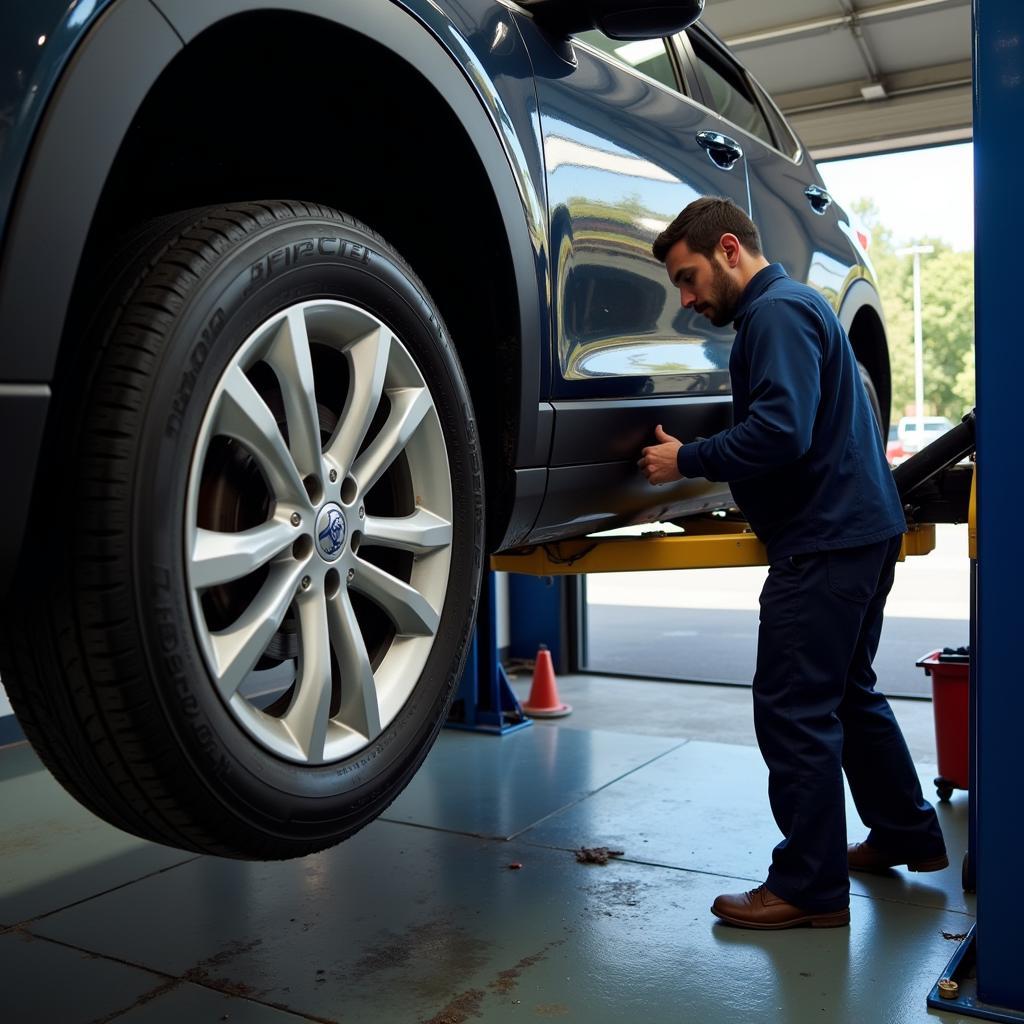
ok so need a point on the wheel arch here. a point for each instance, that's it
(864, 322)
(57, 234)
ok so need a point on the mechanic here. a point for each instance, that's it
(806, 466)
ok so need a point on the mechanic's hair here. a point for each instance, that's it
(702, 225)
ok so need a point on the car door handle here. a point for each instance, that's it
(820, 199)
(723, 151)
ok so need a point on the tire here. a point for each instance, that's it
(249, 639)
(966, 882)
(876, 407)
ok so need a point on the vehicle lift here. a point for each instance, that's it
(485, 701)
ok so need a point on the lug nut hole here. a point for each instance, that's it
(314, 489)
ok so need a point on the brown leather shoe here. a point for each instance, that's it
(862, 857)
(761, 908)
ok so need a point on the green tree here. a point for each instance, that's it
(947, 301)
(964, 387)
(947, 319)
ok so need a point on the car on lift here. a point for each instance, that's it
(306, 307)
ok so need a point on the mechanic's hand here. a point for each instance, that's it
(658, 461)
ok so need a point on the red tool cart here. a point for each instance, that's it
(950, 671)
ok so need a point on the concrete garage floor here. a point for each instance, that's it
(420, 917)
(721, 714)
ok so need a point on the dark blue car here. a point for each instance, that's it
(305, 307)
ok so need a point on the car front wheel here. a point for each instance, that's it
(255, 633)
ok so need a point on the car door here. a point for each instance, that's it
(788, 201)
(626, 149)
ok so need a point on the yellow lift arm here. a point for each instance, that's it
(713, 544)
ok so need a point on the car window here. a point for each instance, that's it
(647, 55)
(730, 93)
(787, 141)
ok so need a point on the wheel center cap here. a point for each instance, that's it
(330, 531)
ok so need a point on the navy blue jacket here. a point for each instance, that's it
(804, 458)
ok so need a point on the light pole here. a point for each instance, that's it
(917, 251)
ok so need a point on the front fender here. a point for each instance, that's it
(95, 66)
(119, 53)
(36, 43)
(62, 177)
(466, 58)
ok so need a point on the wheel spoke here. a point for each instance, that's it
(290, 358)
(243, 415)
(368, 359)
(308, 715)
(335, 691)
(360, 709)
(237, 648)
(420, 532)
(222, 557)
(408, 408)
(407, 608)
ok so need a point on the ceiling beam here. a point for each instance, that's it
(914, 118)
(911, 139)
(850, 20)
(839, 94)
(858, 37)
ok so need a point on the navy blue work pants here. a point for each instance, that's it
(816, 714)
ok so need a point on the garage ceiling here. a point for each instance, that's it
(858, 76)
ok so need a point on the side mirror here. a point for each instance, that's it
(619, 19)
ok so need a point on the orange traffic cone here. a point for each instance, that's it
(544, 701)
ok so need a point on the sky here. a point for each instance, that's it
(925, 192)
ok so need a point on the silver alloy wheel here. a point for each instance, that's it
(307, 552)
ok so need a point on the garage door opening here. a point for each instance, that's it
(700, 625)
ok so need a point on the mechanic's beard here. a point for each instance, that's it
(727, 294)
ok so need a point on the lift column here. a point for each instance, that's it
(999, 266)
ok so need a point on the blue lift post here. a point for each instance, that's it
(988, 965)
(484, 701)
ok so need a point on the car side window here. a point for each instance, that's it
(787, 141)
(730, 93)
(649, 56)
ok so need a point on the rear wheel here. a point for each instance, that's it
(876, 407)
(255, 633)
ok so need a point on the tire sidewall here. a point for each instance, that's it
(254, 278)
